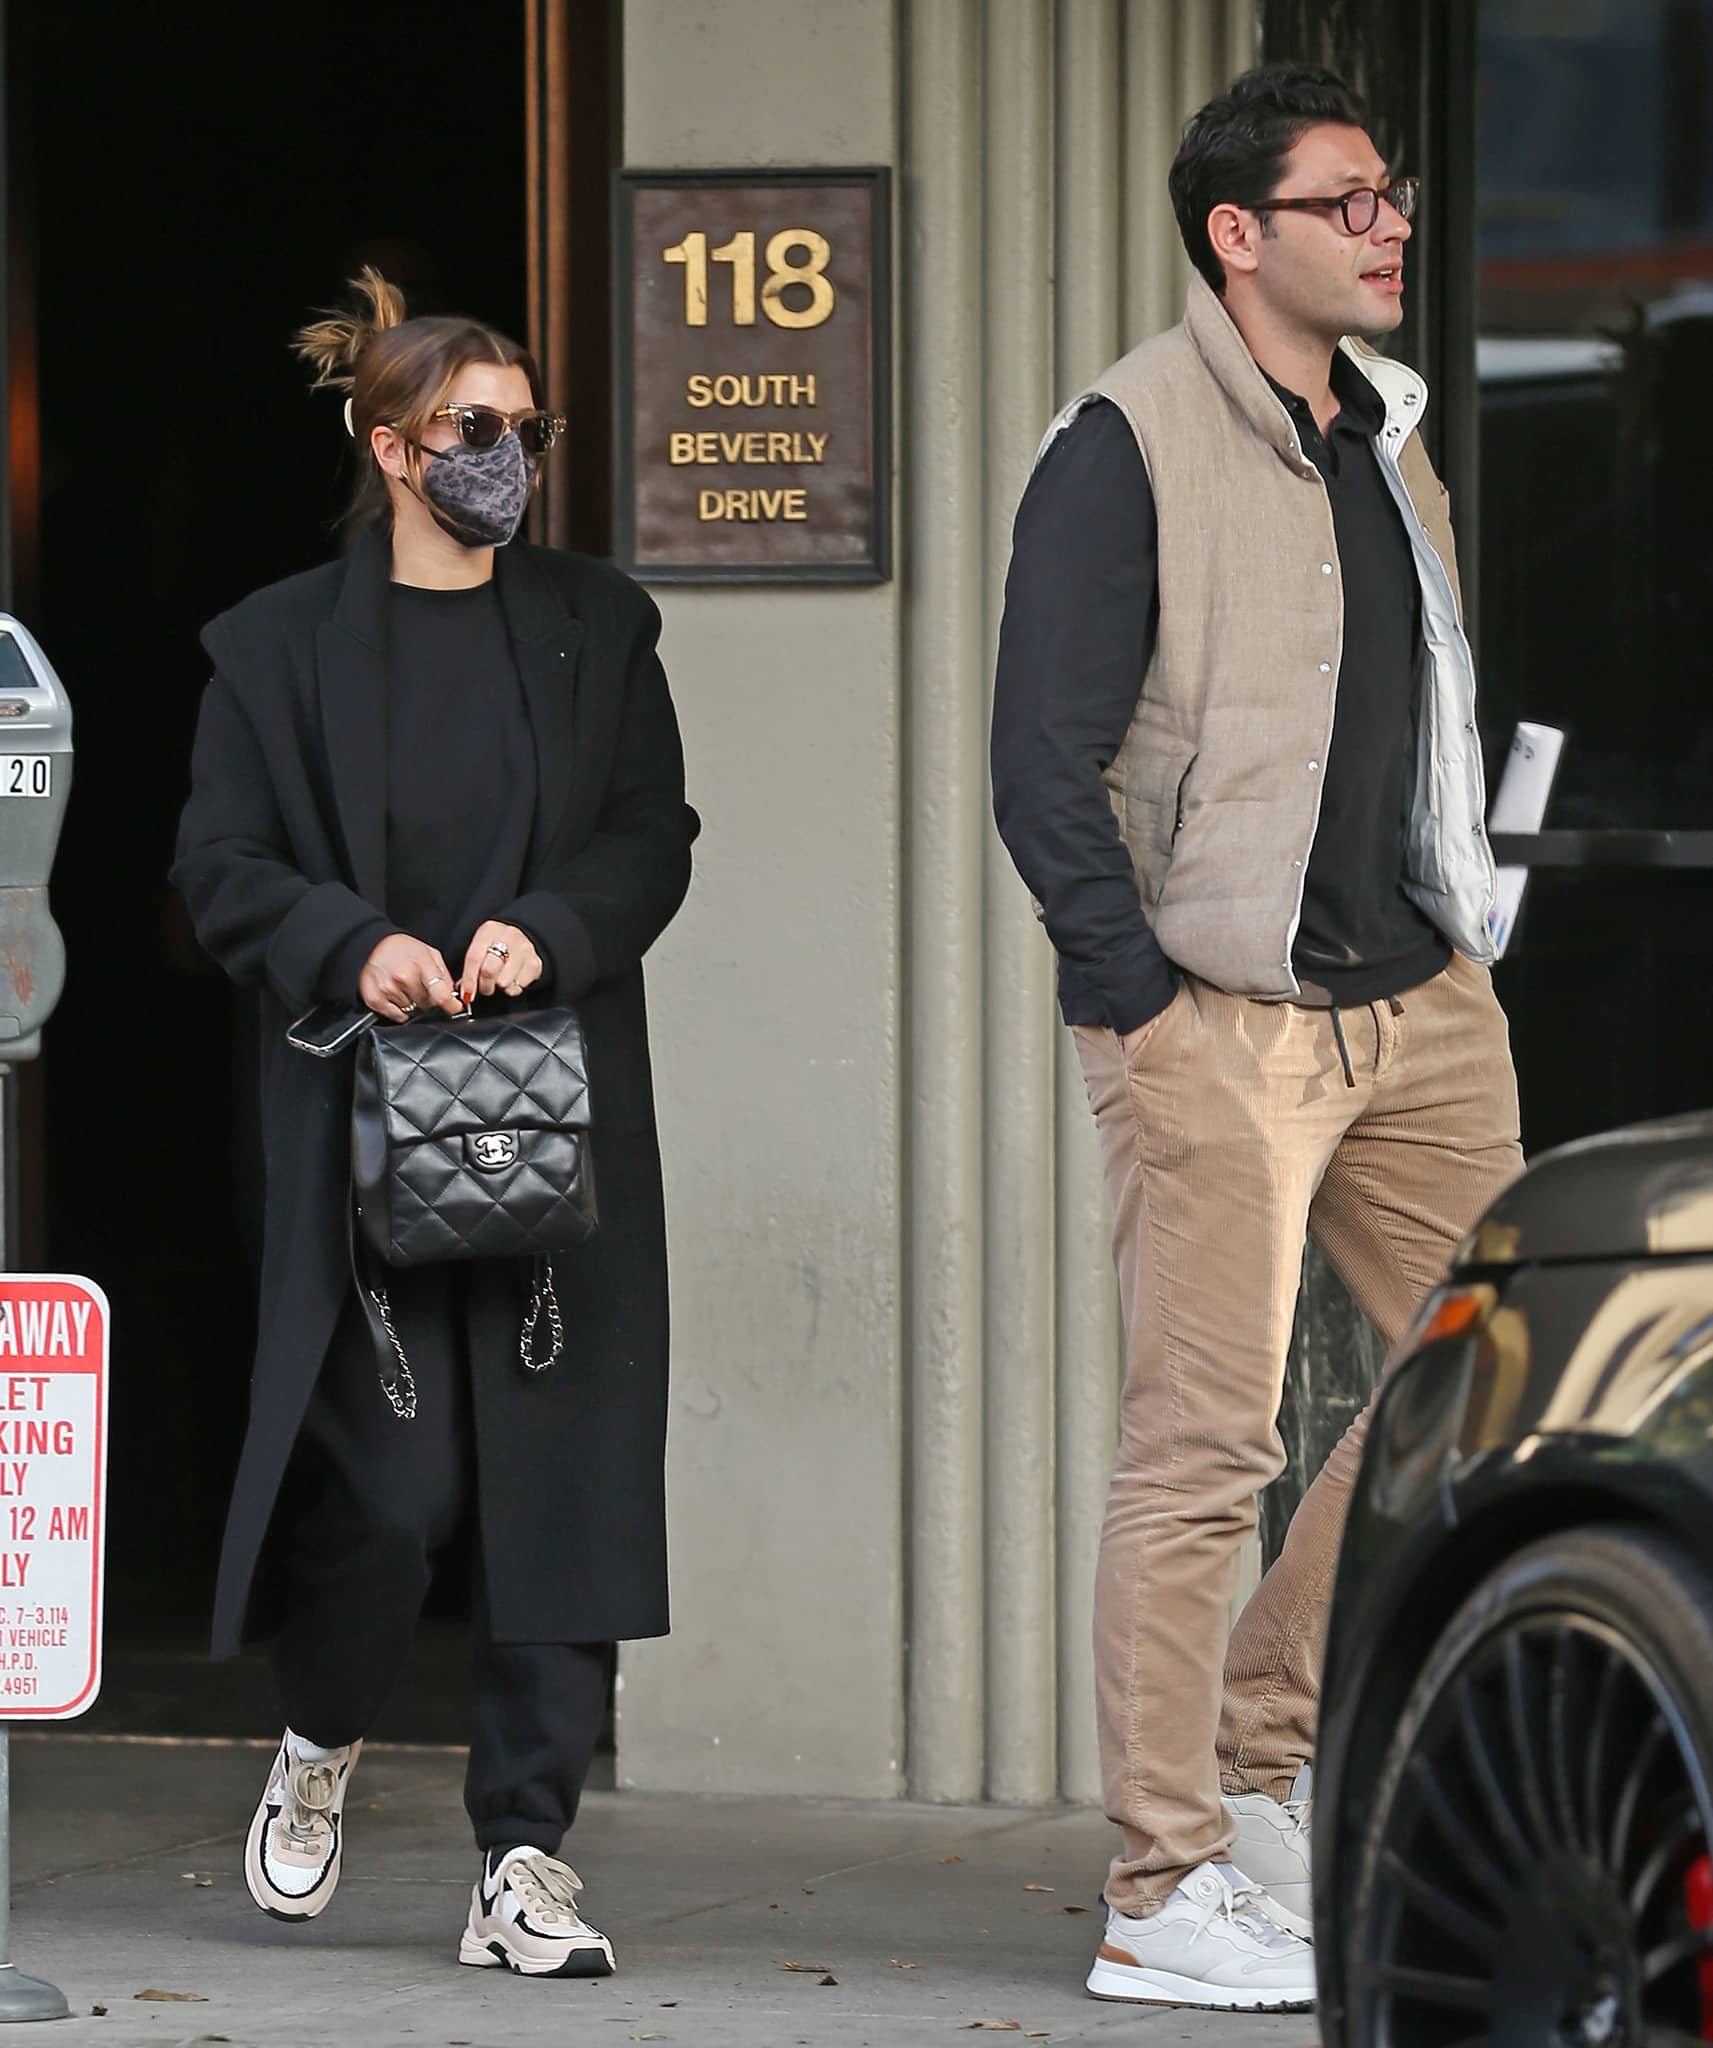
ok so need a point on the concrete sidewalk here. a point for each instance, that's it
(128, 1879)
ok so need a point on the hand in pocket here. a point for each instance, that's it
(1134, 1043)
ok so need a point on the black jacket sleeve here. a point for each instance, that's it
(596, 913)
(1081, 614)
(265, 922)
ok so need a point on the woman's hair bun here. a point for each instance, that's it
(333, 345)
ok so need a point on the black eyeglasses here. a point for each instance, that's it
(485, 426)
(1360, 209)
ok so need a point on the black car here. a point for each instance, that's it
(1514, 1775)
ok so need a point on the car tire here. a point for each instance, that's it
(1534, 1863)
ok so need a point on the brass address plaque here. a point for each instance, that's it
(754, 326)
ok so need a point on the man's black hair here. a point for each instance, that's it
(1234, 150)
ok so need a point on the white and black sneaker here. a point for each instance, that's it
(296, 1842)
(523, 1915)
(1217, 1943)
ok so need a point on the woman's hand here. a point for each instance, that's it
(500, 957)
(403, 976)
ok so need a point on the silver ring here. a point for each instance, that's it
(501, 948)
(434, 980)
(408, 1008)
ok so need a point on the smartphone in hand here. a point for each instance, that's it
(329, 1028)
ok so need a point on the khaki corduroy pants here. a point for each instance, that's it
(1230, 1134)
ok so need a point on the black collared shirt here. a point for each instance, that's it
(1081, 611)
(1360, 936)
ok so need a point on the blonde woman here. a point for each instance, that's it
(444, 769)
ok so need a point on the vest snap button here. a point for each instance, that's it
(1313, 765)
(1326, 568)
(1326, 668)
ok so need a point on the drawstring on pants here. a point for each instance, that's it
(1393, 1003)
(1343, 1048)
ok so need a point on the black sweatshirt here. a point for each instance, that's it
(461, 768)
(1081, 612)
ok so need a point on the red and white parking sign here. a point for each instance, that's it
(53, 1493)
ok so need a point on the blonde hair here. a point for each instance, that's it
(397, 372)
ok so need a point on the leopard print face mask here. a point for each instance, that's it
(480, 495)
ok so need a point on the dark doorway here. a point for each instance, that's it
(188, 193)
(1594, 272)
(1562, 309)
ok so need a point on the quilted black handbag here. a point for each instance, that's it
(469, 1140)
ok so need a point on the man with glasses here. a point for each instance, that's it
(1235, 759)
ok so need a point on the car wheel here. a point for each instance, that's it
(1534, 1866)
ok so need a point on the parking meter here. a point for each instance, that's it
(35, 781)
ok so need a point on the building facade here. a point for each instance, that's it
(897, 1349)
(898, 1340)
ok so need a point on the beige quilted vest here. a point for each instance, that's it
(1217, 784)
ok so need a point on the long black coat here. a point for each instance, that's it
(281, 859)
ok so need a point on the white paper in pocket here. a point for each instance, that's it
(1520, 806)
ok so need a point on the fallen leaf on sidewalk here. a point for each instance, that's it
(951, 1859)
(897, 1965)
(100, 2011)
(808, 1891)
(172, 1997)
(995, 2026)
(829, 1978)
(1040, 1887)
(806, 1969)
(1075, 1909)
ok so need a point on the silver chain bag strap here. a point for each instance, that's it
(400, 1390)
(470, 1139)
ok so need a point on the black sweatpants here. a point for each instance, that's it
(368, 1503)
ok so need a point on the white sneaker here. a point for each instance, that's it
(296, 1843)
(523, 1914)
(1216, 1943)
(1272, 1847)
